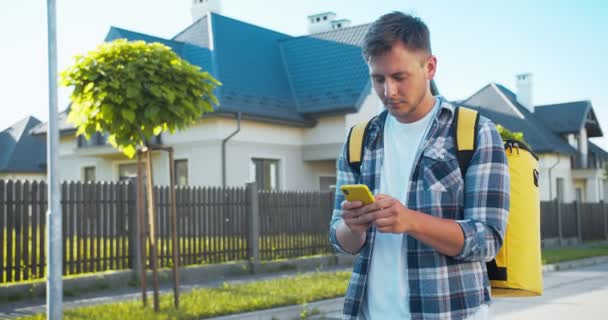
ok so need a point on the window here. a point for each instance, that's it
(181, 172)
(318, 19)
(97, 139)
(128, 171)
(579, 195)
(88, 174)
(327, 183)
(339, 25)
(266, 173)
(324, 18)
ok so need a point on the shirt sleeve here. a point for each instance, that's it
(486, 197)
(345, 175)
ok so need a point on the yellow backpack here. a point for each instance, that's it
(517, 269)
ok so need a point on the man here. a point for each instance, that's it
(422, 246)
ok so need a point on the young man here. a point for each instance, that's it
(422, 246)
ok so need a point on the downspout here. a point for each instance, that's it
(238, 128)
(551, 168)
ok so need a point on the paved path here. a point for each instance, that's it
(581, 293)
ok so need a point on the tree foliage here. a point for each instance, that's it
(505, 134)
(135, 90)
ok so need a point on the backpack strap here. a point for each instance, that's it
(356, 138)
(466, 121)
(465, 136)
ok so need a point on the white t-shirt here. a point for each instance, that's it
(387, 282)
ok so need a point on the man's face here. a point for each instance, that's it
(401, 79)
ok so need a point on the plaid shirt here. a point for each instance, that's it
(441, 287)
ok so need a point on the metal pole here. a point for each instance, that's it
(142, 229)
(175, 244)
(54, 286)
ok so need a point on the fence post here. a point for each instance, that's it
(254, 225)
(134, 228)
(560, 228)
(579, 221)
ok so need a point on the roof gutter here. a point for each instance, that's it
(238, 128)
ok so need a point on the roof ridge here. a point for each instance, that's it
(188, 27)
(509, 102)
(325, 32)
(145, 34)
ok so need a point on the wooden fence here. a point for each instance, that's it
(100, 229)
(215, 225)
(574, 222)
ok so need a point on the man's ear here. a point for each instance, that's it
(430, 67)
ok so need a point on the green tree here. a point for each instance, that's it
(135, 90)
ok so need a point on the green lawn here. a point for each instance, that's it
(566, 254)
(226, 299)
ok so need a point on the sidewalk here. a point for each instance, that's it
(325, 309)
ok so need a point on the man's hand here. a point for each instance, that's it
(354, 215)
(390, 215)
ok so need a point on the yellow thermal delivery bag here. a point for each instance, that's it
(517, 269)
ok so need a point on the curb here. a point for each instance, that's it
(289, 312)
(567, 265)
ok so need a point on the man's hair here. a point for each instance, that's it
(392, 27)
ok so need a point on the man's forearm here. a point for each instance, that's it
(444, 235)
(350, 241)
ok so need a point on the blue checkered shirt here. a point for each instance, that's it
(441, 287)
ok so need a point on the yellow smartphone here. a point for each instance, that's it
(357, 192)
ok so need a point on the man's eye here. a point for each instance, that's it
(379, 80)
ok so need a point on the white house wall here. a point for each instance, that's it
(330, 129)
(371, 106)
(561, 169)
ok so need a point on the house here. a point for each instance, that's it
(22, 156)
(287, 104)
(571, 166)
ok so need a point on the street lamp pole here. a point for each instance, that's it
(54, 286)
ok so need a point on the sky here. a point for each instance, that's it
(564, 44)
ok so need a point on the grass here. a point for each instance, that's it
(567, 254)
(226, 299)
(95, 253)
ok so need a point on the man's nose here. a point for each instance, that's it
(389, 88)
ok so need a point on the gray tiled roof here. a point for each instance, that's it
(21, 152)
(515, 117)
(593, 148)
(569, 117)
(62, 124)
(268, 75)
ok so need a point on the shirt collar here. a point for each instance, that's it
(377, 123)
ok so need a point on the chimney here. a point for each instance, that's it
(320, 22)
(339, 24)
(525, 91)
(201, 7)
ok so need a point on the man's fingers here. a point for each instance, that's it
(384, 222)
(348, 205)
